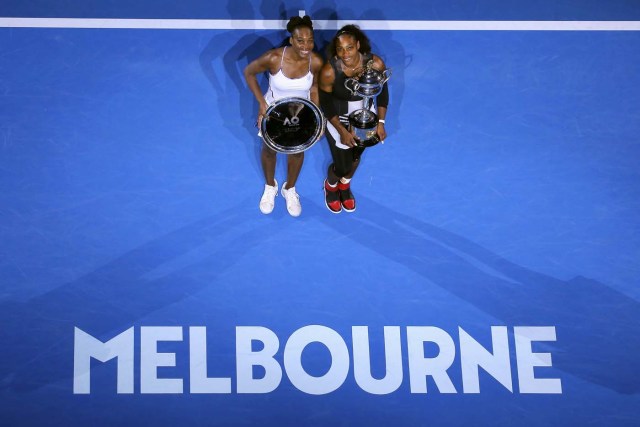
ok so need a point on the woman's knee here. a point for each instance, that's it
(340, 170)
(268, 151)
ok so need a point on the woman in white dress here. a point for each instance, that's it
(293, 71)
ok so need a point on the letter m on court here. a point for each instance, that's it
(87, 347)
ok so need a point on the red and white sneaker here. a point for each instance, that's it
(346, 197)
(332, 198)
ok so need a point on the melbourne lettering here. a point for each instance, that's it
(256, 348)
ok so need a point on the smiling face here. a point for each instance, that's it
(347, 50)
(302, 40)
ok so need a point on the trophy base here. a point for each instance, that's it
(363, 124)
(368, 142)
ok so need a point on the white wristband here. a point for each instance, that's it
(381, 121)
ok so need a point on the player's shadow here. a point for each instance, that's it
(323, 11)
(396, 59)
(38, 334)
(223, 60)
(597, 326)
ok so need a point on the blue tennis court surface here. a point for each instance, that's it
(501, 213)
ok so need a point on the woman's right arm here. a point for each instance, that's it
(255, 67)
(327, 78)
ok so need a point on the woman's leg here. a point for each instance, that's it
(341, 166)
(268, 160)
(268, 199)
(294, 165)
(347, 199)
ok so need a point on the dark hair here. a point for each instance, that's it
(356, 33)
(297, 21)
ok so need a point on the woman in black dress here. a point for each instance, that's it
(349, 52)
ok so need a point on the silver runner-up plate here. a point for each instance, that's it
(292, 125)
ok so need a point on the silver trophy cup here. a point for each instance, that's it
(363, 123)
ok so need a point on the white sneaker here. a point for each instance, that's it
(293, 200)
(268, 199)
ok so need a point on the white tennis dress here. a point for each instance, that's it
(281, 86)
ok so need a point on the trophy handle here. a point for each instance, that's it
(353, 85)
(386, 74)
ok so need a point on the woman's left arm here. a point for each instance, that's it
(316, 65)
(382, 100)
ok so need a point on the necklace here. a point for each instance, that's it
(358, 65)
